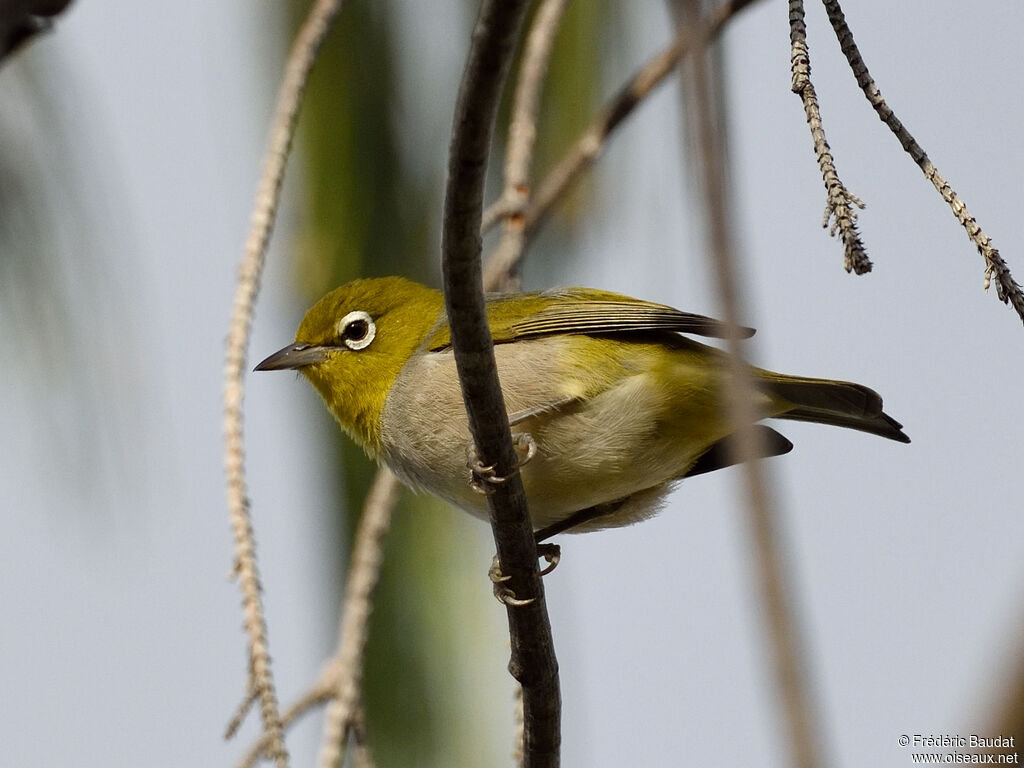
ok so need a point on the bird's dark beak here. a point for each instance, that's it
(293, 357)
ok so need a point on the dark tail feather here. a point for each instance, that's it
(722, 453)
(839, 403)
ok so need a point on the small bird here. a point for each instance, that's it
(609, 405)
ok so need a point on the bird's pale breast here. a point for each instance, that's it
(625, 433)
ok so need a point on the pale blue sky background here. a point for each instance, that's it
(121, 642)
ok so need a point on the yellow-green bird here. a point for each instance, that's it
(613, 404)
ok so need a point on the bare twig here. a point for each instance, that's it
(300, 61)
(340, 682)
(503, 266)
(319, 693)
(588, 147)
(533, 661)
(1008, 290)
(841, 203)
(362, 757)
(494, 213)
(364, 574)
(523, 127)
(782, 625)
(240, 714)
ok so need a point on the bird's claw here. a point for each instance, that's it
(525, 447)
(482, 477)
(551, 553)
(503, 594)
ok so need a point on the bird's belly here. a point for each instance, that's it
(591, 452)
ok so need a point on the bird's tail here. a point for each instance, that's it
(839, 403)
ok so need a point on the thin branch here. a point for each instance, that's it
(362, 757)
(494, 213)
(533, 661)
(299, 63)
(240, 714)
(775, 585)
(1008, 290)
(353, 630)
(841, 204)
(591, 143)
(588, 147)
(340, 682)
(319, 693)
(503, 266)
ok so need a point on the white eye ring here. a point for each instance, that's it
(356, 330)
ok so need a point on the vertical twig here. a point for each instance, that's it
(1008, 290)
(340, 682)
(300, 61)
(776, 588)
(841, 203)
(362, 757)
(501, 272)
(533, 661)
(353, 628)
(588, 147)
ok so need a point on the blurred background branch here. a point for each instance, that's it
(282, 131)
(707, 125)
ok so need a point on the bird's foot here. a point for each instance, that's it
(551, 553)
(483, 478)
(502, 593)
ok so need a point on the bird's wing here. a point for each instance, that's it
(583, 311)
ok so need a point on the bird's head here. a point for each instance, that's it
(352, 344)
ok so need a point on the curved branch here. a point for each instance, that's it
(533, 661)
(340, 681)
(354, 622)
(300, 61)
(588, 147)
(1008, 290)
(502, 271)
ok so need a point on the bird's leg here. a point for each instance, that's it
(482, 476)
(483, 479)
(578, 517)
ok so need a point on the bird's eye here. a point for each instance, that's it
(356, 330)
